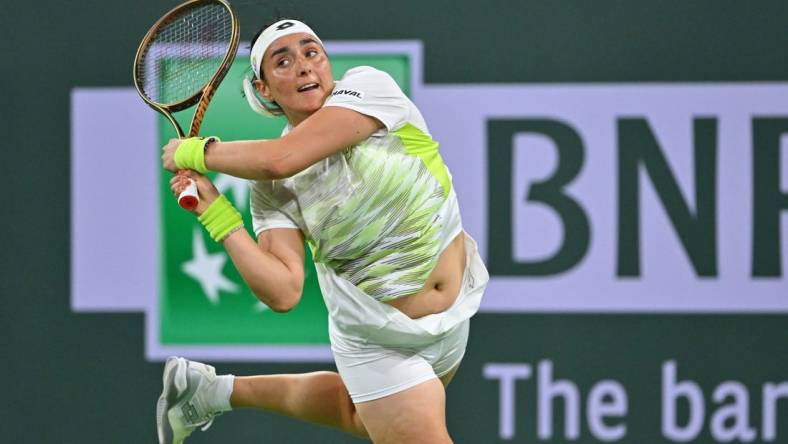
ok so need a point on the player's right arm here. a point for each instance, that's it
(272, 267)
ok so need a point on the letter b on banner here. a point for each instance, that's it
(549, 192)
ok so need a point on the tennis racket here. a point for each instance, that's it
(182, 60)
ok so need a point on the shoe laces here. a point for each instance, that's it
(205, 425)
(181, 380)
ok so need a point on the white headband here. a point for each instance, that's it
(273, 32)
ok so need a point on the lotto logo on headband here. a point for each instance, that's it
(277, 30)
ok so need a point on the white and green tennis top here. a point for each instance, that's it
(379, 213)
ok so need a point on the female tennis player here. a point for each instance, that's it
(357, 176)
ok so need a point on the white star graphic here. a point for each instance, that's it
(206, 269)
(240, 188)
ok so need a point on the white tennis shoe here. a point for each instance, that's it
(183, 406)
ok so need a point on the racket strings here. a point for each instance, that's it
(185, 53)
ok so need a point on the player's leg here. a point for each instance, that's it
(318, 397)
(416, 415)
(193, 395)
(397, 395)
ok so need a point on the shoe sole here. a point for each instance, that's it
(169, 394)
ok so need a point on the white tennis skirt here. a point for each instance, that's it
(380, 351)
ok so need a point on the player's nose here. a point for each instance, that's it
(303, 66)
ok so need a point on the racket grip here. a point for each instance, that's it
(188, 199)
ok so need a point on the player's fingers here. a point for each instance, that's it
(191, 174)
(197, 178)
(178, 184)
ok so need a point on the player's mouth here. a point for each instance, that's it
(308, 87)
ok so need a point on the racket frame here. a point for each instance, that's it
(202, 96)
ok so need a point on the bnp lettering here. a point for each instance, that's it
(639, 162)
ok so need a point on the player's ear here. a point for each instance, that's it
(264, 90)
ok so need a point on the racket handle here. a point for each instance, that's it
(188, 199)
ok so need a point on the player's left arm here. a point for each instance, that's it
(327, 131)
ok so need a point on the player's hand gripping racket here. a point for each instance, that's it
(181, 61)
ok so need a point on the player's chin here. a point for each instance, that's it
(313, 96)
(310, 106)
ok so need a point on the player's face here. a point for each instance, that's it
(297, 75)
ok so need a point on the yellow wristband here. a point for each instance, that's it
(190, 154)
(221, 219)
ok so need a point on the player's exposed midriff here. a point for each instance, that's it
(442, 286)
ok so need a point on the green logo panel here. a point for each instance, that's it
(203, 299)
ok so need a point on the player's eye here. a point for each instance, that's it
(283, 62)
(311, 52)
